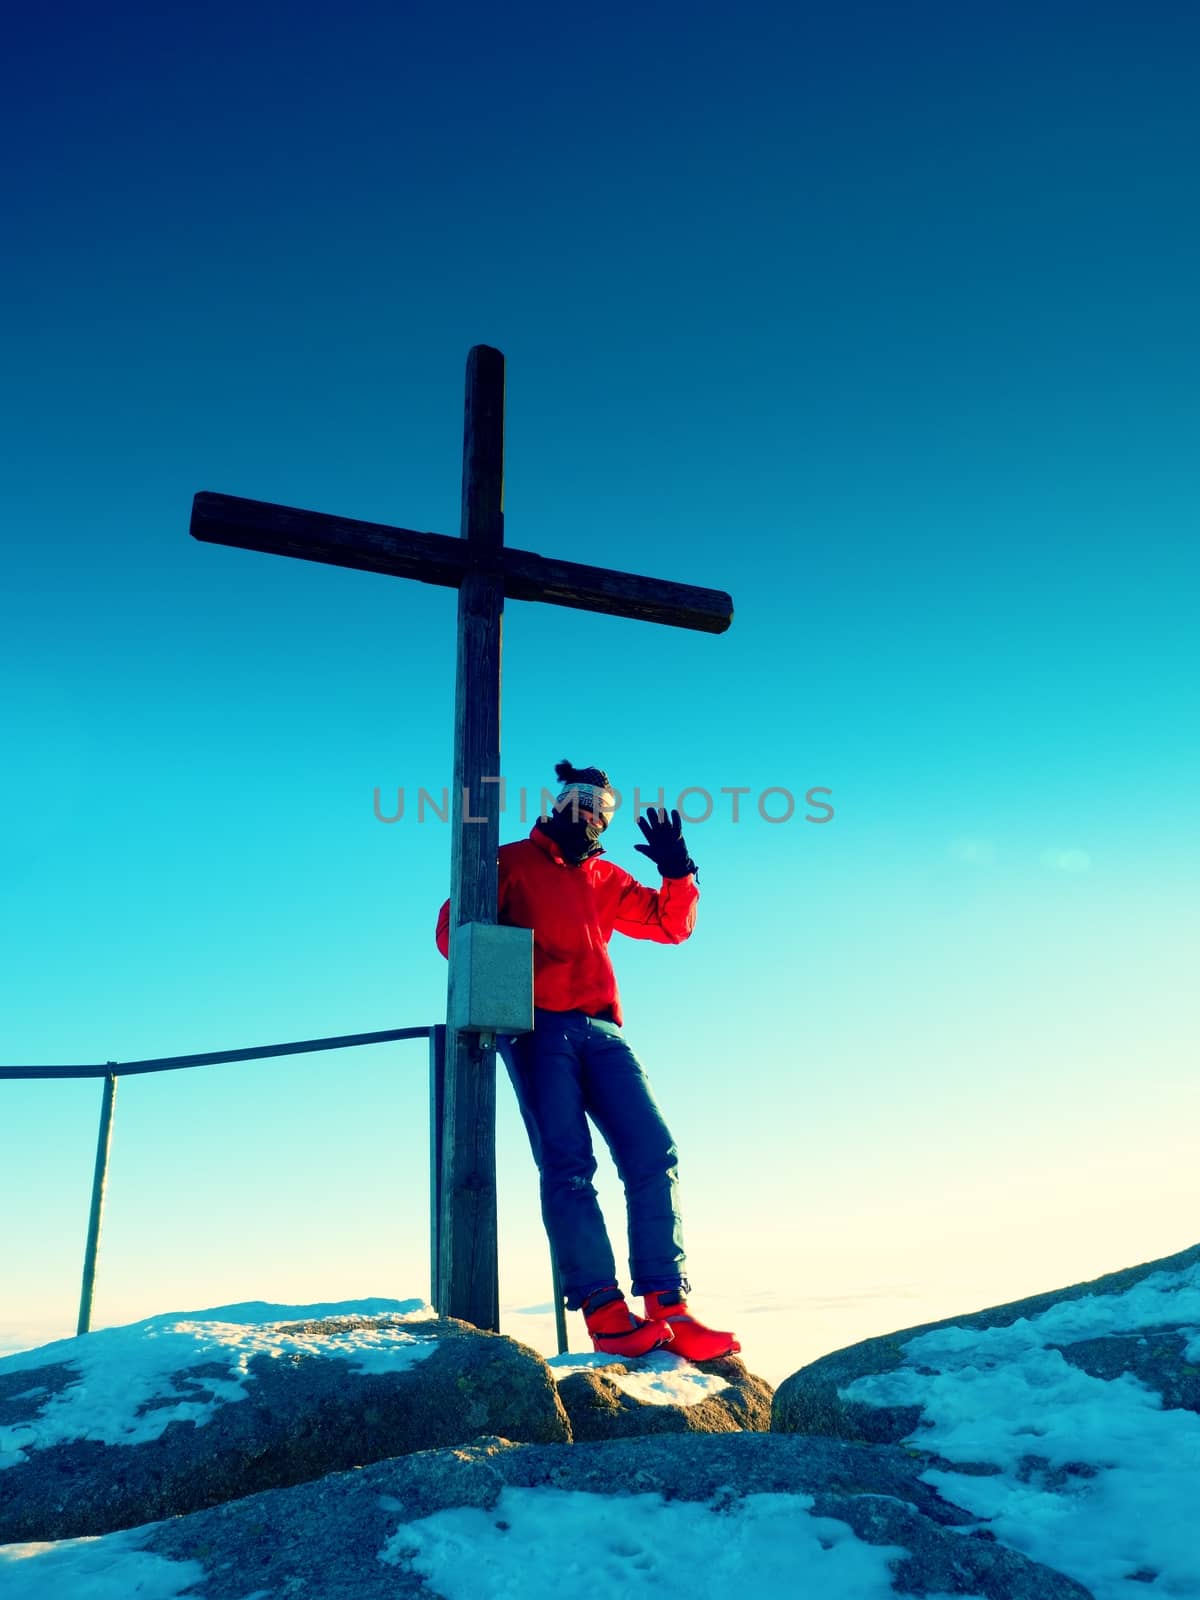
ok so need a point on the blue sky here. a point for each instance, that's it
(882, 319)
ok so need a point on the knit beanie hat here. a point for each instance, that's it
(584, 788)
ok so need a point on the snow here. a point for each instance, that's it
(1001, 1395)
(534, 1543)
(122, 1369)
(540, 1544)
(112, 1568)
(659, 1379)
(1109, 1499)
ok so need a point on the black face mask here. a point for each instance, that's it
(575, 839)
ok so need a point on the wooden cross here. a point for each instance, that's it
(484, 571)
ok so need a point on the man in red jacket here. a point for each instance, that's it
(576, 1063)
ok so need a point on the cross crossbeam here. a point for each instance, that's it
(441, 559)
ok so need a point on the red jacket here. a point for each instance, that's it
(573, 911)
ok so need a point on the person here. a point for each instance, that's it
(576, 1064)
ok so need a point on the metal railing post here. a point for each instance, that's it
(560, 1315)
(437, 1080)
(99, 1182)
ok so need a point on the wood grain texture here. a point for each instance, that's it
(483, 451)
(437, 1117)
(440, 559)
(617, 594)
(337, 541)
(468, 1261)
(468, 1255)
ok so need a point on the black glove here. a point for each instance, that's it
(664, 843)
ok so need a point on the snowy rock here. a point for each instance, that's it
(128, 1425)
(661, 1393)
(815, 1399)
(632, 1517)
(1067, 1424)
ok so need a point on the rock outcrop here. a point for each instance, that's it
(369, 1535)
(611, 1401)
(814, 1399)
(1066, 1423)
(239, 1409)
(1010, 1453)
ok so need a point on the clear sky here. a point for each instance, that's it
(883, 319)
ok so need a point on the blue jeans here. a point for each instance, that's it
(570, 1067)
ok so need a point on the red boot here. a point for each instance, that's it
(693, 1341)
(617, 1332)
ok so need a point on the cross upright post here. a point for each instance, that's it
(467, 1276)
(485, 572)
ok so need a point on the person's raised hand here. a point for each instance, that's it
(664, 843)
